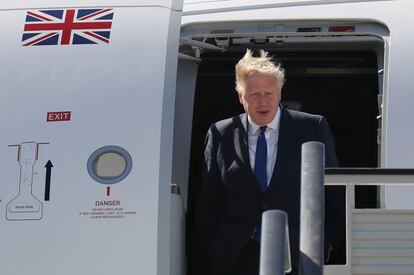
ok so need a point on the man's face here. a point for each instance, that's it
(260, 98)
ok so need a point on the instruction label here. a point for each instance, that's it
(110, 209)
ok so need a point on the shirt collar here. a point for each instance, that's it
(274, 124)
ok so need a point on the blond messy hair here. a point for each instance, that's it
(263, 65)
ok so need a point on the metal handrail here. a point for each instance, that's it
(351, 177)
(312, 202)
(274, 242)
(274, 248)
(368, 176)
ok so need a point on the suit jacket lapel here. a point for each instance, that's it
(240, 139)
(241, 146)
(286, 144)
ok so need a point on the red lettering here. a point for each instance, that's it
(50, 116)
(58, 116)
(107, 203)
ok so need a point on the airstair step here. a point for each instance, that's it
(383, 252)
(383, 270)
(391, 226)
(382, 242)
(382, 235)
(382, 216)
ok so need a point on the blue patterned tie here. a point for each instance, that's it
(260, 164)
(260, 161)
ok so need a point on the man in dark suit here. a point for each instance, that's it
(251, 164)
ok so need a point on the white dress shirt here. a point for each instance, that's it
(272, 137)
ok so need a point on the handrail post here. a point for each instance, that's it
(312, 205)
(274, 247)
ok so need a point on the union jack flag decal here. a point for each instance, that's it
(66, 27)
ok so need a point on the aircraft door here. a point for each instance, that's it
(87, 106)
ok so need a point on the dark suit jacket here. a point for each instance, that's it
(230, 204)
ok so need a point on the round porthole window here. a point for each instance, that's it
(109, 164)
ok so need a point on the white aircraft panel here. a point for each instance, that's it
(30, 4)
(67, 103)
(400, 116)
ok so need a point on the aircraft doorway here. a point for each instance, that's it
(341, 85)
(338, 75)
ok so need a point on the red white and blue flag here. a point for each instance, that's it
(67, 27)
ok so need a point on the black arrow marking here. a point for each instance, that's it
(48, 167)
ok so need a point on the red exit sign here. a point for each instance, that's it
(58, 116)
